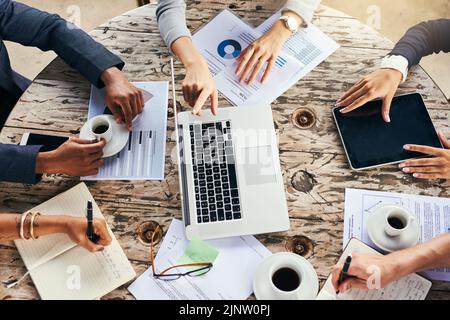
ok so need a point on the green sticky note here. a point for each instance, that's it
(198, 251)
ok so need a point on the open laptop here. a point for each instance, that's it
(230, 176)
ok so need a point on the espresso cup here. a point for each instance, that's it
(286, 280)
(100, 127)
(397, 221)
(285, 276)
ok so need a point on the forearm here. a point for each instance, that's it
(171, 16)
(432, 254)
(185, 50)
(18, 163)
(302, 8)
(43, 225)
(424, 39)
(32, 27)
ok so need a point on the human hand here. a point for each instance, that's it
(76, 228)
(363, 269)
(123, 99)
(75, 157)
(264, 50)
(198, 86)
(382, 84)
(437, 167)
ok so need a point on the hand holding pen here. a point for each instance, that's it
(359, 272)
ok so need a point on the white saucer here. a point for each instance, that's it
(119, 139)
(375, 228)
(262, 287)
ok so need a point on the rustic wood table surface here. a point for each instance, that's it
(315, 169)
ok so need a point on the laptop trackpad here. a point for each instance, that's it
(258, 165)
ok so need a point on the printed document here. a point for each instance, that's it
(226, 280)
(411, 287)
(432, 213)
(143, 158)
(223, 39)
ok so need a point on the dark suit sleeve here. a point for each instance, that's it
(32, 27)
(424, 39)
(18, 163)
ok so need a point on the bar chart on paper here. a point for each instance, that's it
(143, 157)
(135, 160)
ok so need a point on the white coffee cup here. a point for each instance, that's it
(100, 127)
(304, 287)
(397, 221)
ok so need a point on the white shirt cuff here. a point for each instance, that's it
(399, 63)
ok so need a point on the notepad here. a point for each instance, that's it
(62, 270)
(411, 287)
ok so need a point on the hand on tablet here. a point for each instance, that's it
(382, 84)
(437, 167)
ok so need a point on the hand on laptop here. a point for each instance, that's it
(382, 84)
(199, 86)
(437, 167)
(264, 50)
(123, 99)
(76, 229)
(76, 157)
(362, 273)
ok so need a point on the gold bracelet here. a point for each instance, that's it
(33, 216)
(22, 222)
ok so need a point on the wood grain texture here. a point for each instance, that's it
(315, 170)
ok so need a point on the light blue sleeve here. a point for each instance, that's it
(171, 16)
(304, 8)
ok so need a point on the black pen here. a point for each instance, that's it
(90, 226)
(343, 275)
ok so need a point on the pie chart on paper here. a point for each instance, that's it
(229, 49)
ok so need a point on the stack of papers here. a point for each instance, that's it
(226, 36)
(432, 213)
(231, 278)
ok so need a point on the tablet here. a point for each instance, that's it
(370, 142)
(48, 142)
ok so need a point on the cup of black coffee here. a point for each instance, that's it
(286, 279)
(101, 128)
(397, 221)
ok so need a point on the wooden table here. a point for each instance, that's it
(315, 169)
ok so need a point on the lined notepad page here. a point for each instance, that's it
(62, 270)
(412, 287)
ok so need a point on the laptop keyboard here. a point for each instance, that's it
(216, 188)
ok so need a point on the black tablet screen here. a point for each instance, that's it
(369, 141)
(49, 143)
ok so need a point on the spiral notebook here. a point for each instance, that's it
(62, 270)
(411, 287)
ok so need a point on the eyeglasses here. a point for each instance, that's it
(166, 275)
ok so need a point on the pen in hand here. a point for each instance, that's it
(344, 273)
(90, 226)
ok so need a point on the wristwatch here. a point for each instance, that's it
(290, 23)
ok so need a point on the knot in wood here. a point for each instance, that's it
(145, 231)
(300, 245)
(304, 118)
(303, 181)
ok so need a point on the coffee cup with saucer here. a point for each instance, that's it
(285, 276)
(105, 127)
(392, 228)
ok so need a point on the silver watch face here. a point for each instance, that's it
(292, 23)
